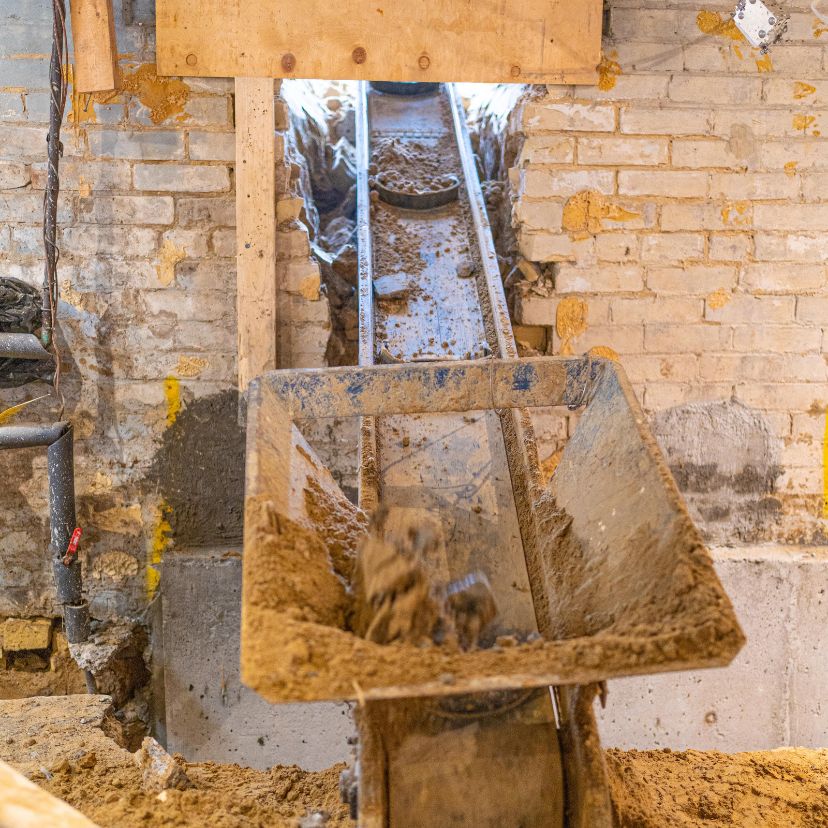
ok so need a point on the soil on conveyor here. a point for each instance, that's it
(68, 745)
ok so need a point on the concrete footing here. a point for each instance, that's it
(772, 695)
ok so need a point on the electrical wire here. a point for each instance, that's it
(58, 72)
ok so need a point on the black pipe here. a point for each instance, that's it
(22, 346)
(62, 519)
(28, 436)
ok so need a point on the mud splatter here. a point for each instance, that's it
(570, 321)
(714, 24)
(736, 213)
(190, 366)
(718, 299)
(584, 212)
(803, 90)
(83, 103)
(163, 97)
(764, 64)
(802, 123)
(604, 352)
(608, 71)
(790, 168)
(168, 257)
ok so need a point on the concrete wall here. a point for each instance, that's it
(773, 693)
(678, 216)
(147, 312)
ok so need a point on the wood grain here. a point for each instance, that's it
(256, 295)
(96, 53)
(24, 805)
(532, 41)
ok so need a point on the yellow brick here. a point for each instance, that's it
(26, 634)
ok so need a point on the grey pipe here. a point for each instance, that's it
(22, 346)
(28, 436)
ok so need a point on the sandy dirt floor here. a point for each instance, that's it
(68, 746)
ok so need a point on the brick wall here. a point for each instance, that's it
(681, 211)
(147, 313)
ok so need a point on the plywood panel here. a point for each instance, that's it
(256, 227)
(96, 55)
(532, 41)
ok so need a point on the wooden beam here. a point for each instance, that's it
(531, 41)
(24, 805)
(256, 293)
(96, 52)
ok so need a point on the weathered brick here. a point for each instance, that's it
(660, 395)
(651, 368)
(799, 218)
(702, 89)
(674, 184)
(181, 178)
(638, 121)
(539, 182)
(617, 247)
(686, 339)
(13, 175)
(624, 310)
(783, 278)
(223, 242)
(749, 185)
(110, 240)
(570, 116)
(547, 149)
(86, 176)
(690, 280)
(784, 396)
(672, 247)
(743, 308)
(707, 216)
(794, 247)
(644, 24)
(123, 209)
(635, 55)
(23, 142)
(192, 242)
(26, 206)
(603, 279)
(784, 339)
(815, 186)
(725, 247)
(151, 145)
(628, 88)
(812, 309)
(212, 146)
(534, 310)
(302, 277)
(700, 153)
(545, 247)
(539, 215)
(24, 73)
(206, 212)
(11, 106)
(621, 151)
(758, 368)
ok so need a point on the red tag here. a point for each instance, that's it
(72, 549)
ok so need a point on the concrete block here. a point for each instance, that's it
(771, 695)
(210, 715)
(26, 634)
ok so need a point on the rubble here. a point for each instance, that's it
(160, 771)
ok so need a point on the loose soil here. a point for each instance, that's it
(68, 746)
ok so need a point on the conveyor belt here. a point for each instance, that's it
(488, 759)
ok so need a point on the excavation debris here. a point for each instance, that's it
(159, 770)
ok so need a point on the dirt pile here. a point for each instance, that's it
(772, 789)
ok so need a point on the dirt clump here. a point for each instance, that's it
(772, 789)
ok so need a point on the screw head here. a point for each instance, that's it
(359, 55)
(515, 71)
(424, 62)
(772, 21)
(191, 60)
(288, 62)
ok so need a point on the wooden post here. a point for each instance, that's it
(96, 53)
(256, 293)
